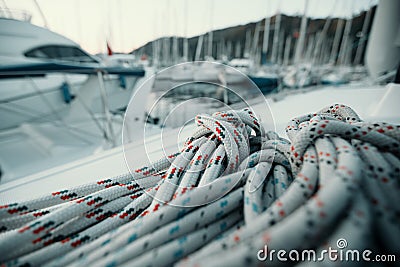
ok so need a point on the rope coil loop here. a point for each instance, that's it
(233, 189)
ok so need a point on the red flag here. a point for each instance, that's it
(109, 51)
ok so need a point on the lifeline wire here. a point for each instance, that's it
(233, 189)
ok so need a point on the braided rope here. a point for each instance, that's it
(337, 177)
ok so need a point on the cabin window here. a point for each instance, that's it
(58, 52)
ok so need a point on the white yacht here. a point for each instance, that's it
(57, 102)
(41, 72)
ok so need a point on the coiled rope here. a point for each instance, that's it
(337, 177)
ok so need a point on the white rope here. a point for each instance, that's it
(337, 177)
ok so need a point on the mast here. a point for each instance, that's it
(280, 46)
(310, 48)
(322, 36)
(345, 40)
(347, 55)
(229, 49)
(255, 42)
(267, 24)
(109, 34)
(155, 43)
(222, 52)
(185, 39)
(287, 50)
(210, 33)
(276, 36)
(166, 51)
(363, 38)
(320, 39)
(185, 49)
(324, 56)
(210, 44)
(238, 49)
(199, 46)
(336, 39)
(246, 52)
(303, 27)
(167, 43)
(174, 49)
(78, 19)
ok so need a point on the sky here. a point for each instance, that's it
(129, 24)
